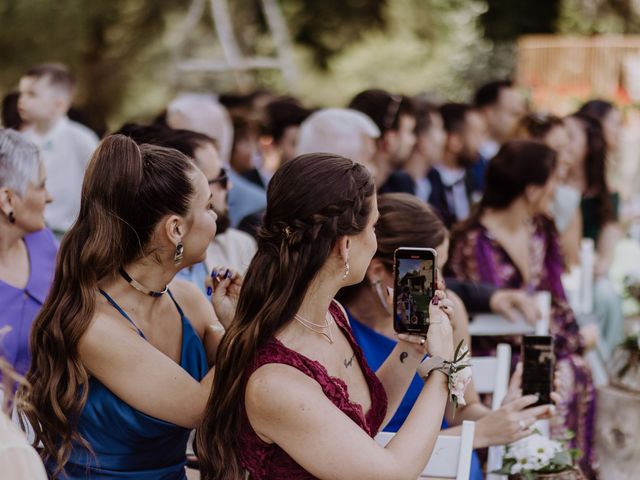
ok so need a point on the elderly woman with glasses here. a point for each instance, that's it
(27, 248)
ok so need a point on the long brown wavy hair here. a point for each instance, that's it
(595, 165)
(127, 190)
(312, 201)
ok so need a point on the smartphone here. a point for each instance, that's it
(538, 362)
(414, 283)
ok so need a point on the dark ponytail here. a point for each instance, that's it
(126, 191)
(312, 201)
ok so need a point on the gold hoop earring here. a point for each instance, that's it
(177, 257)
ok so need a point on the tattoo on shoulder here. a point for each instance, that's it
(403, 355)
(348, 363)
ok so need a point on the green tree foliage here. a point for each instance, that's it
(326, 26)
(587, 17)
(120, 50)
(106, 44)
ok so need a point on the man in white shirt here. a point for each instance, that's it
(46, 93)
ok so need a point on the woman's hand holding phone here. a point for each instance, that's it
(440, 334)
(436, 342)
(511, 422)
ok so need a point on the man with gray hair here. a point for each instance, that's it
(203, 113)
(340, 131)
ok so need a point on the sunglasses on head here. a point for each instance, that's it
(222, 179)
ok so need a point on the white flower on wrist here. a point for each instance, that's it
(459, 375)
(459, 382)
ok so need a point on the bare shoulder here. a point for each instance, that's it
(106, 325)
(186, 291)
(194, 304)
(266, 393)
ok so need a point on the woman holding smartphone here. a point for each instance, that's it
(510, 241)
(293, 396)
(406, 220)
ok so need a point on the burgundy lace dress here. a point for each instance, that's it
(266, 461)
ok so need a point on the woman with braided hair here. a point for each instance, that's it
(293, 396)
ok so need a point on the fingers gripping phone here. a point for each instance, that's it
(414, 284)
(538, 363)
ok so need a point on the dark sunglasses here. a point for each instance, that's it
(222, 179)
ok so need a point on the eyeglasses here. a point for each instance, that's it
(222, 179)
(392, 111)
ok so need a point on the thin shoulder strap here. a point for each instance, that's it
(345, 317)
(176, 304)
(122, 312)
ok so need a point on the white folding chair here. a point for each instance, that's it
(484, 325)
(491, 375)
(451, 457)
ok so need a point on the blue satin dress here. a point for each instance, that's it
(376, 349)
(126, 442)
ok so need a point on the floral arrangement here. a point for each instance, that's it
(459, 375)
(537, 455)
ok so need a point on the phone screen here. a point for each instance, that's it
(538, 361)
(414, 286)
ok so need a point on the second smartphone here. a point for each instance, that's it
(538, 363)
(414, 284)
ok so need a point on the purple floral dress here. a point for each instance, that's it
(477, 256)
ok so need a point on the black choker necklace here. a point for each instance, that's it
(142, 289)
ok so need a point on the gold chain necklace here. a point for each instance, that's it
(317, 328)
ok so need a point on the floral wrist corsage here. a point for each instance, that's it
(458, 371)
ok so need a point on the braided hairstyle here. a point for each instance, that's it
(312, 201)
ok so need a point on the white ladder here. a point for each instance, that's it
(234, 61)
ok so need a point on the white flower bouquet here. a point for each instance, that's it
(537, 456)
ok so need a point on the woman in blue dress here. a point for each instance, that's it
(121, 359)
(406, 221)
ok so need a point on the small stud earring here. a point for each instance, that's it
(346, 270)
(177, 258)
